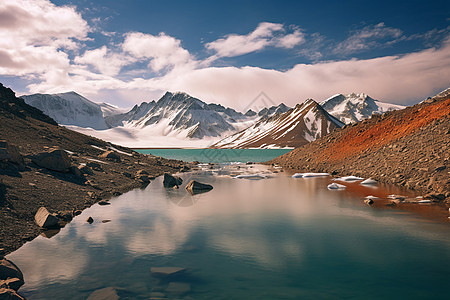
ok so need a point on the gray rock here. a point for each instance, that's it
(45, 219)
(170, 181)
(165, 271)
(195, 187)
(108, 293)
(10, 153)
(111, 155)
(54, 159)
(9, 270)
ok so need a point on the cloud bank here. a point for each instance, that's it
(47, 45)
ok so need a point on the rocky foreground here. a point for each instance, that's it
(46, 165)
(409, 147)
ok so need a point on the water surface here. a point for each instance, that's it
(217, 155)
(275, 238)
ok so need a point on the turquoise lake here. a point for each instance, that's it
(274, 238)
(217, 155)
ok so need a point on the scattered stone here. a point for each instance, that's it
(170, 181)
(75, 171)
(54, 159)
(11, 283)
(126, 174)
(49, 233)
(178, 288)
(10, 294)
(336, 186)
(166, 271)
(106, 221)
(85, 170)
(77, 212)
(369, 181)
(368, 201)
(65, 216)
(111, 155)
(185, 168)
(90, 220)
(94, 166)
(9, 270)
(103, 202)
(142, 172)
(108, 293)
(45, 219)
(195, 187)
(440, 168)
(143, 178)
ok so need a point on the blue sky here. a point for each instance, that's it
(125, 52)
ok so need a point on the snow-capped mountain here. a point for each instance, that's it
(302, 124)
(355, 107)
(69, 109)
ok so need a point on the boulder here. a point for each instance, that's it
(54, 159)
(45, 219)
(9, 270)
(195, 187)
(10, 153)
(9, 294)
(111, 155)
(108, 293)
(170, 181)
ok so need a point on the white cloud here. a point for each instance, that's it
(162, 50)
(264, 35)
(369, 37)
(33, 34)
(104, 60)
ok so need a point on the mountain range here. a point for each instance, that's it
(298, 126)
(180, 120)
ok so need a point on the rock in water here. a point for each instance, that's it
(170, 181)
(368, 201)
(55, 159)
(45, 219)
(195, 187)
(108, 293)
(9, 270)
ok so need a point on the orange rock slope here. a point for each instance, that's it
(408, 147)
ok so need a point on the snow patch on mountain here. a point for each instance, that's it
(69, 109)
(298, 126)
(356, 107)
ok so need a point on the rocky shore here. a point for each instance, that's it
(409, 148)
(46, 165)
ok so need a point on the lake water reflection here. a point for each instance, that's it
(275, 238)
